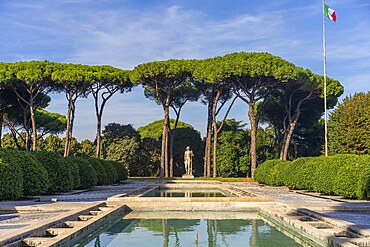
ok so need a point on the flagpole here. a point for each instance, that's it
(324, 48)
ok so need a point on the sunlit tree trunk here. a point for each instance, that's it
(253, 151)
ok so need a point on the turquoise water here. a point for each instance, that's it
(190, 232)
(188, 193)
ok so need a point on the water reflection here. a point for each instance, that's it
(191, 232)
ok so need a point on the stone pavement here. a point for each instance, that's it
(15, 215)
(357, 212)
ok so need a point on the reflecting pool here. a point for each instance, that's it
(185, 192)
(151, 232)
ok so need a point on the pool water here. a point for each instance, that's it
(190, 232)
(164, 192)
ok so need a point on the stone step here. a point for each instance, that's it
(95, 212)
(55, 231)
(72, 224)
(85, 217)
(104, 208)
(34, 241)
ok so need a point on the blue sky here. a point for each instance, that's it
(124, 33)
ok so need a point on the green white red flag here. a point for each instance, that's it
(330, 13)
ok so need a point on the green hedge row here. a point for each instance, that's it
(346, 175)
(35, 173)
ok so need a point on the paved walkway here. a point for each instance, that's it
(329, 206)
(19, 214)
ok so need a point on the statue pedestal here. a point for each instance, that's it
(187, 176)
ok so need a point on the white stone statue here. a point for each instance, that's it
(188, 161)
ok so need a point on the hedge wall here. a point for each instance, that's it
(59, 172)
(11, 178)
(36, 173)
(344, 175)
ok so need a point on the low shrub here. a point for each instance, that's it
(122, 173)
(59, 172)
(11, 178)
(112, 176)
(344, 175)
(100, 171)
(35, 177)
(353, 178)
(73, 167)
(263, 173)
(86, 172)
(300, 174)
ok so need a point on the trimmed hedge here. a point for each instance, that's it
(110, 170)
(122, 173)
(35, 177)
(11, 178)
(100, 171)
(74, 168)
(60, 173)
(344, 175)
(35, 173)
(271, 172)
(86, 172)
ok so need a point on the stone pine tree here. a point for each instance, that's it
(35, 78)
(253, 77)
(74, 80)
(106, 81)
(160, 79)
(210, 79)
(289, 102)
(349, 126)
(8, 99)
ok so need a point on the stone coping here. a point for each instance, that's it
(294, 217)
(36, 229)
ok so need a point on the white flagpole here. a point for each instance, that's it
(324, 47)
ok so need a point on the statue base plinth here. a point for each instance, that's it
(187, 176)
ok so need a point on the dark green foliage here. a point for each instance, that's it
(327, 170)
(232, 154)
(344, 175)
(120, 169)
(349, 126)
(353, 179)
(302, 174)
(100, 171)
(11, 179)
(111, 172)
(154, 129)
(59, 172)
(35, 176)
(187, 137)
(270, 172)
(73, 166)
(87, 174)
(126, 151)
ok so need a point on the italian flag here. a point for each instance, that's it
(330, 13)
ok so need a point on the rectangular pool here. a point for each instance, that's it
(187, 192)
(188, 229)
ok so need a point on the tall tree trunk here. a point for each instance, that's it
(164, 159)
(253, 151)
(98, 135)
(173, 138)
(33, 122)
(215, 138)
(289, 135)
(207, 153)
(68, 129)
